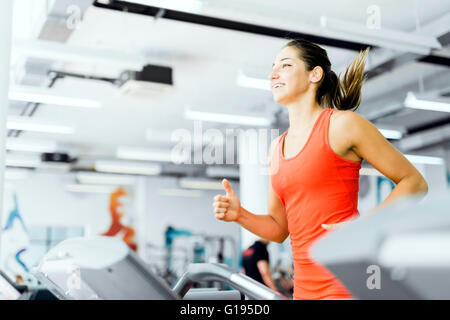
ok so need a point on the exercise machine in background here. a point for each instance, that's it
(10, 290)
(170, 261)
(105, 268)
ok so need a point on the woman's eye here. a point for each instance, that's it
(285, 65)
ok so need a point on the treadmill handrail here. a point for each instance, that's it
(221, 272)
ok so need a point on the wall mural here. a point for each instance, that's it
(117, 228)
(15, 237)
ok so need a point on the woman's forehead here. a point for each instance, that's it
(287, 52)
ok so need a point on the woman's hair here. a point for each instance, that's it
(332, 92)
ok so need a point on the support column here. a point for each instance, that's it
(253, 146)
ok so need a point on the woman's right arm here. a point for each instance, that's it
(271, 226)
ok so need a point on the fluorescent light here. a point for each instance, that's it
(127, 167)
(102, 178)
(226, 118)
(20, 144)
(133, 153)
(424, 159)
(411, 101)
(180, 193)
(412, 158)
(52, 50)
(220, 172)
(254, 83)
(383, 37)
(193, 6)
(39, 95)
(30, 124)
(21, 161)
(200, 184)
(370, 172)
(90, 188)
(391, 134)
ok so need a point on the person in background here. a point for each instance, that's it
(284, 280)
(255, 263)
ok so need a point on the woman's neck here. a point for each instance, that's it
(302, 114)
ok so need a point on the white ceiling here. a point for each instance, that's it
(205, 62)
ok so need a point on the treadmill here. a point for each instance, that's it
(105, 268)
(399, 252)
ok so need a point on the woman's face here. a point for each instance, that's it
(289, 78)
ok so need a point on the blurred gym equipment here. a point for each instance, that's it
(105, 268)
(219, 272)
(400, 252)
(170, 261)
(10, 290)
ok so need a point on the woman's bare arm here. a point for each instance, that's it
(266, 274)
(366, 141)
(271, 226)
(369, 144)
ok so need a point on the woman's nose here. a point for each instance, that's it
(273, 75)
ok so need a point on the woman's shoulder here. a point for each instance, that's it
(346, 128)
(347, 121)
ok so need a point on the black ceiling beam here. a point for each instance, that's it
(438, 60)
(408, 57)
(445, 120)
(228, 24)
(404, 59)
(271, 32)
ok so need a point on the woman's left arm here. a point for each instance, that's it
(368, 143)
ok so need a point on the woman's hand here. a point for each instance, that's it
(226, 208)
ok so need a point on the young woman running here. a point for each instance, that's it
(315, 164)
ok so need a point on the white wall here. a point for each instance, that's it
(195, 214)
(43, 201)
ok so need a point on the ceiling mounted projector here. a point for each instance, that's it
(56, 157)
(56, 161)
(152, 82)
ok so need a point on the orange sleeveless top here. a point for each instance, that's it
(316, 186)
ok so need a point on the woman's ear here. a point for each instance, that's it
(316, 74)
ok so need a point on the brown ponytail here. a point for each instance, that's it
(332, 92)
(348, 95)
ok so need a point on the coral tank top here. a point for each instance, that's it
(316, 186)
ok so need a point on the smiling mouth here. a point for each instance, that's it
(278, 85)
